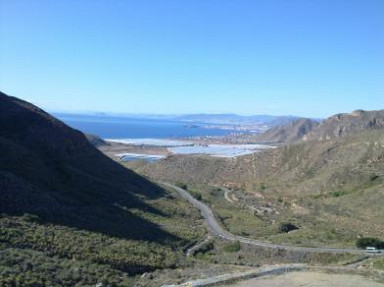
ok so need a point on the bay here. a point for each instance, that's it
(114, 127)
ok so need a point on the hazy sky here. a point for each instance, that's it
(309, 57)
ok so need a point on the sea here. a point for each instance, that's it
(115, 127)
(156, 132)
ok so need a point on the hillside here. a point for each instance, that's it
(61, 200)
(342, 125)
(51, 170)
(334, 127)
(361, 153)
(330, 188)
(291, 132)
(96, 140)
(341, 142)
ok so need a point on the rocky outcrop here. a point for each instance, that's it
(342, 125)
(334, 127)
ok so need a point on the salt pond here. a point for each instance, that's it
(185, 147)
(219, 150)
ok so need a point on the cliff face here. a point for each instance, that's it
(51, 170)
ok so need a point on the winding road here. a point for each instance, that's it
(217, 230)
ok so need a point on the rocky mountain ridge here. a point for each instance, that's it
(336, 126)
(341, 125)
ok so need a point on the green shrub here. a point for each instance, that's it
(286, 227)
(232, 247)
(204, 248)
(195, 194)
(181, 185)
(337, 193)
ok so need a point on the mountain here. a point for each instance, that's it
(236, 119)
(290, 132)
(334, 127)
(342, 125)
(65, 205)
(340, 143)
(331, 185)
(51, 170)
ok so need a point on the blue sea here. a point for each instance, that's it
(113, 127)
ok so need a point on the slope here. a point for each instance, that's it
(291, 132)
(51, 170)
(70, 216)
(331, 188)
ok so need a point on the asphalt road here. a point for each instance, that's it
(219, 231)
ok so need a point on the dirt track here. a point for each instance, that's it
(308, 279)
(219, 231)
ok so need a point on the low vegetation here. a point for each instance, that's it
(194, 192)
(33, 251)
(232, 246)
(332, 189)
(181, 185)
(28, 267)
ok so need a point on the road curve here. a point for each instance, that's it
(219, 231)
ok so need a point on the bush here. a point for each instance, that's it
(337, 193)
(204, 248)
(365, 242)
(232, 247)
(181, 185)
(195, 194)
(286, 227)
(373, 177)
(30, 217)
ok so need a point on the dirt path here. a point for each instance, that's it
(219, 231)
(308, 279)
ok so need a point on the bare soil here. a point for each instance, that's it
(312, 279)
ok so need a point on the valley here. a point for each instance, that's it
(191, 143)
(71, 202)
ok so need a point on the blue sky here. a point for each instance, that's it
(309, 58)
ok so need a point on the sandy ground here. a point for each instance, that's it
(308, 279)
